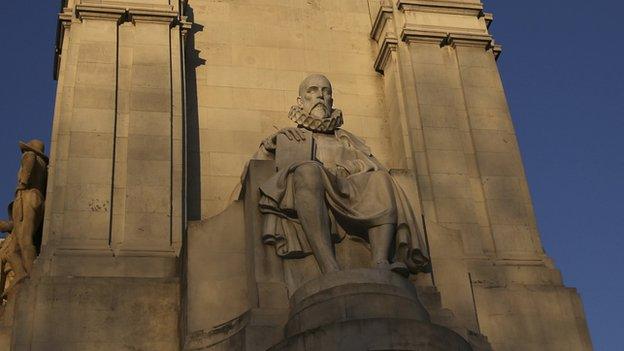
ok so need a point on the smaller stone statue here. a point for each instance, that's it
(26, 211)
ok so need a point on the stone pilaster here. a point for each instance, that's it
(108, 274)
(117, 153)
(438, 59)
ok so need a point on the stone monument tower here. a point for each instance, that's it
(187, 209)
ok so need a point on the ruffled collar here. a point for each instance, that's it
(322, 125)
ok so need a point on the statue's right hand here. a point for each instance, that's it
(6, 226)
(293, 133)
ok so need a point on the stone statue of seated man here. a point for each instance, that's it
(336, 189)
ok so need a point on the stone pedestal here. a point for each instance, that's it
(363, 309)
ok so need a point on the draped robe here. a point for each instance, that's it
(359, 192)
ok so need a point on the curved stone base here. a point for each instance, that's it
(363, 309)
(350, 295)
(376, 334)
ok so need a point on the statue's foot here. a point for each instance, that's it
(382, 265)
(396, 267)
(400, 268)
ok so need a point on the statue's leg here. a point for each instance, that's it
(381, 238)
(15, 261)
(31, 220)
(313, 214)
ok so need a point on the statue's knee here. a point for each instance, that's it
(382, 180)
(381, 176)
(308, 176)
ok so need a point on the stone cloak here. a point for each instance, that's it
(360, 194)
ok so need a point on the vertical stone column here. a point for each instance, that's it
(143, 218)
(114, 214)
(78, 212)
(117, 154)
(439, 65)
(501, 191)
(426, 98)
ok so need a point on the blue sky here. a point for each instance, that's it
(561, 65)
(563, 74)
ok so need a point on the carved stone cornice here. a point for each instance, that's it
(385, 13)
(447, 22)
(489, 18)
(66, 17)
(497, 49)
(465, 39)
(153, 15)
(485, 41)
(441, 6)
(64, 23)
(410, 35)
(141, 14)
(386, 48)
(75, 13)
(103, 12)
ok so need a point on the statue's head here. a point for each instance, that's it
(315, 106)
(315, 96)
(34, 145)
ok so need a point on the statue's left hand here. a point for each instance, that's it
(357, 166)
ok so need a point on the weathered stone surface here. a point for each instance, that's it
(424, 94)
(217, 277)
(71, 313)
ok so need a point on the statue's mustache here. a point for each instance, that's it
(319, 104)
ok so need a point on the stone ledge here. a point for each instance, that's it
(388, 45)
(89, 313)
(150, 15)
(441, 6)
(99, 12)
(385, 13)
(145, 14)
(486, 41)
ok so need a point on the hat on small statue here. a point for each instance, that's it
(36, 146)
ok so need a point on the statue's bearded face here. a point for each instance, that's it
(315, 97)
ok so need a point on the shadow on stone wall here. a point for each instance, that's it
(193, 162)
